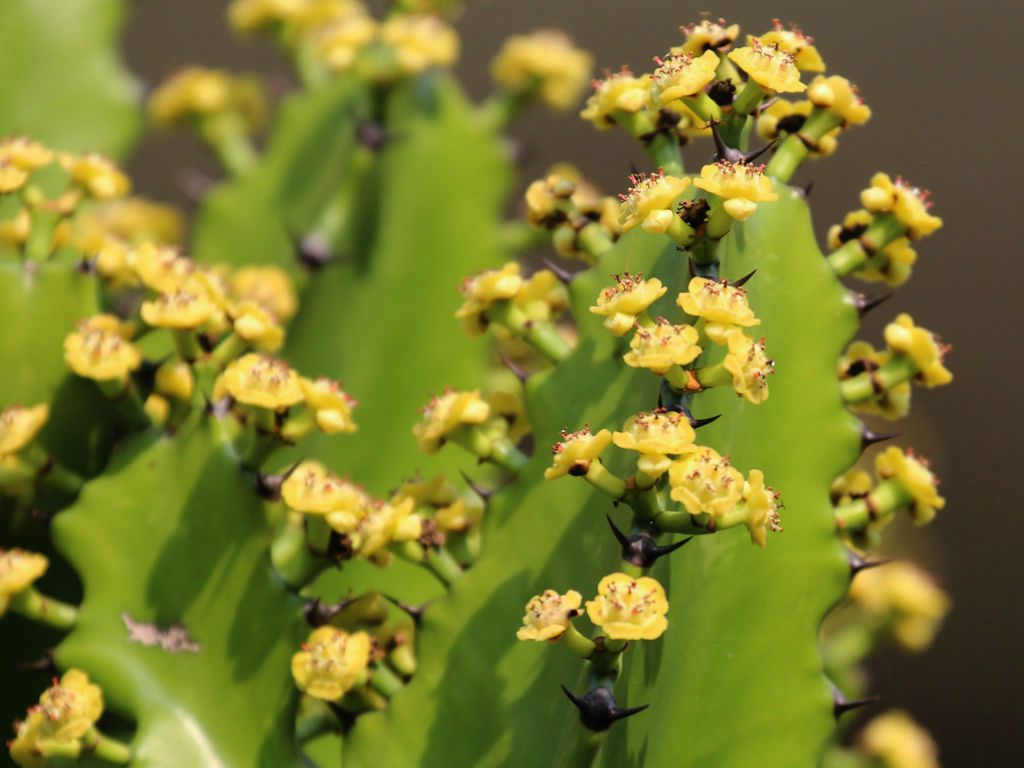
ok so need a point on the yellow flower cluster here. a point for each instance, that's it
(101, 349)
(440, 499)
(545, 60)
(628, 608)
(914, 476)
(196, 93)
(331, 406)
(705, 483)
(908, 204)
(840, 97)
(420, 41)
(621, 303)
(565, 203)
(905, 598)
(656, 436)
(679, 75)
(899, 742)
(921, 346)
(18, 570)
(341, 35)
(723, 307)
(794, 42)
(261, 381)
(96, 175)
(741, 186)
(575, 452)
(749, 365)
(891, 265)
(663, 345)
(707, 35)
(481, 292)
(616, 92)
(444, 414)
(782, 116)
(892, 402)
(649, 201)
(19, 426)
(65, 713)
(331, 662)
(19, 157)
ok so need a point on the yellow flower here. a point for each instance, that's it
(906, 596)
(839, 96)
(616, 92)
(921, 346)
(25, 748)
(268, 286)
(622, 302)
(187, 307)
(261, 381)
(680, 74)
(382, 524)
(741, 185)
(72, 706)
(769, 66)
(20, 425)
(24, 153)
(908, 204)
(629, 609)
(663, 345)
(332, 405)
(100, 349)
(575, 451)
(12, 178)
(794, 42)
(348, 33)
(900, 742)
(782, 116)
(545, 198)
(331, 662)
(649, 201)
(896, 258)
(254, 15)
(549, 614)
(718, 303)
(98, 175)
(654, 436)
(860, 357)
(483, 290)
(707, 35)
(545, 59)
(197, 92)
(852, 484)
(438, 491)
(542, 297)
(253, 323)
(14, 231)
(915, 478)
(18, 569)
(458, 516)
(313, 490)
(174, 378)
(447, 412)
(761, 508)
(749, 365)
(420, 41)
(705, 483)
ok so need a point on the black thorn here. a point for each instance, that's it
(869, 437)
(43, 664)
(667, 548)
(519, 372)
(317, 613)
(865, 304)
(858, 563)
(269, 486)
(693, 268)
(598, 709)
(722, 151)
(749, 157)
(86, 266)
(622, 538)
(194, 185)
(415, 611)
(743, 280)
(372, 135)
(805, 190)
(696, 423)
(730, 155)
(562, 274)
(314, 252)
(345, 717)
(841, 705)
(483, 493)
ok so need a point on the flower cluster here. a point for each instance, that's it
(18, 570)
(195, 94)
(331, 662)
(649, 202)
(909, 205)
(892, 264)
(740, 186)
(545, 61)
(66, 712)
(903, 599)
(623, 303)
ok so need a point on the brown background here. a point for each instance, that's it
(944, 84)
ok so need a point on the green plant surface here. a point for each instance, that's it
(191, 538)
(64, 83)
(728, 660)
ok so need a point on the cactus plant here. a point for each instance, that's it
(272, 572)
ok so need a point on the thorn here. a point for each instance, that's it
(42, 664)
(415, 611)
(865, 304)
(317, 613)
(665, 549)
(598, 709)
(372, 135)
(743, 280)
(727, 153)
(218, 409)
(269, 486)
(314, 252)
(693, 268)
(696, 423)
(869, 437)
(805, 190)
(86, 266)
(483, 493)
(519, 372)
(858, 563)
(561, 273)
(841, 705)
(641, 549)
(622, 538)
(194, 185)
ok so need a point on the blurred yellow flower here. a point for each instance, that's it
(331, 662)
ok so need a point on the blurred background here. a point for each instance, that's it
(944, 84)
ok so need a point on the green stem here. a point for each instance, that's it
(232, 346)
(714, 375)
(794, 150)
(541, 335)
(439, 561)
(868, 385)
(384, 681)
(601, 478)
(520, 236)
(63, 479)
(227, 136)
(682, 234)
(594, 240)
(887, 498)
(316, 718)
(501, 108)
(860, 252)
(290, 554)
(704, 107)
(665, 153)
(507, 456)
(127, 401)
(92, 742)
(498, 450)
(681, 521)
(44, 610)
(748, 98)
(578, 643)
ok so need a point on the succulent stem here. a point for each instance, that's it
(866, 386)
(44, 610)
(796, 147)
